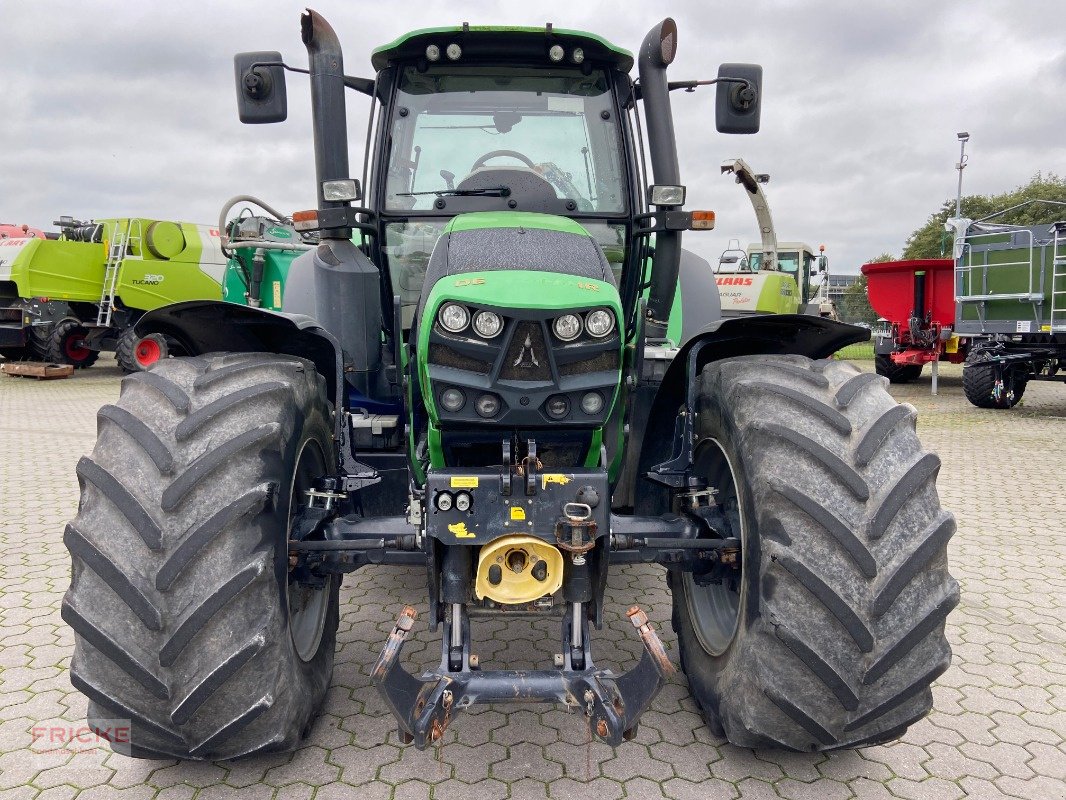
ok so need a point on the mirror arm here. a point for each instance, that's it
(690, 86)
(361, 85)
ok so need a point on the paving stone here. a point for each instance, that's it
(997, 730)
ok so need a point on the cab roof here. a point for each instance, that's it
(502, 43)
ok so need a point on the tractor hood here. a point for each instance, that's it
(525, 271)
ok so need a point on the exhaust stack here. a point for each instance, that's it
(656, 54)
(330, 125)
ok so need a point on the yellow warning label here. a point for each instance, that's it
(460, 531)
(277, 294)
(1045, 329)
(518, 513)
(553, 477)
(464, 482)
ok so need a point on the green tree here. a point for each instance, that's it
(932, 241)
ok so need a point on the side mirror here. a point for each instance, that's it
(823, 263)
(260, 88)
(739, 98)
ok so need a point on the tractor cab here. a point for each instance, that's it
(480, 119)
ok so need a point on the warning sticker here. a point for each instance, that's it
(460, 531)
(553, 477)
(518, 513)
(464, 482)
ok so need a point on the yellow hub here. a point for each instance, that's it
(518, 569)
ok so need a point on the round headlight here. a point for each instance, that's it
(592, 403)
(567, 327)
(599, 322)
(557, 406)
(488, 405)
(453, 317)
(487, 324)
(433, 53)
(462, 501)
(556, 52)
(444, 502)
(578, 55)
(452, 400)
(454, 51)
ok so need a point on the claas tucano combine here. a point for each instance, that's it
(472, 375)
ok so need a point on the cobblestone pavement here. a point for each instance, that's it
(997, 730)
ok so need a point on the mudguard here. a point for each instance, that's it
(797, 334)
(211, 326)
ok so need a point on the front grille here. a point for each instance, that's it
(607, 360)
(527, 355)
(444, 356)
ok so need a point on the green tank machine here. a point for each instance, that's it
(482, 386)
(66, 298)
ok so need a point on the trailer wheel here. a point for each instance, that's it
(831, 630)
(185, 617)
(896, 373)
(66, 345)
(990, 386)
(137, 353)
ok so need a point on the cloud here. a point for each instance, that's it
(112, 108)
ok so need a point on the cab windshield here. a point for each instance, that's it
(533, 139)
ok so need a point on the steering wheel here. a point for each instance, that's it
(500, 154)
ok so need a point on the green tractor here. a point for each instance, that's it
(509, 415)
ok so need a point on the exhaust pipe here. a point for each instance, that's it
(326, 64)
(656, 54)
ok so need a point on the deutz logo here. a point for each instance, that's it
(527, 359)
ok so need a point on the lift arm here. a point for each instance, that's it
(753, 184)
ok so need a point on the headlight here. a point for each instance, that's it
(487, 324)
(453, 317)
(592, 403)
(452, 400)
(488, 405)
(557, 406)
(444, 502)
(599, 322)
(462, 502)
(567, 327)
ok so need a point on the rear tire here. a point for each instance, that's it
(185, 622)
(896, 373)
(64, 347)
(979, 383)
(836, 629)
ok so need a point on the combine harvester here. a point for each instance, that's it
(771, 277)
(66, 297)
(998, 306)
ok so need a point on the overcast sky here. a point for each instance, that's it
(123, 108)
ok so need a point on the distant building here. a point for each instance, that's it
(838, 284)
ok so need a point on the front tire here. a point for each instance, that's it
(837, 627)
(185, 619)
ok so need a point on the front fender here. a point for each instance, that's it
(210, 326)
(769, 334)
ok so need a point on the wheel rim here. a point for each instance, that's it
(71, 347)
(147, 352)
(715, 610)
(307, 606)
